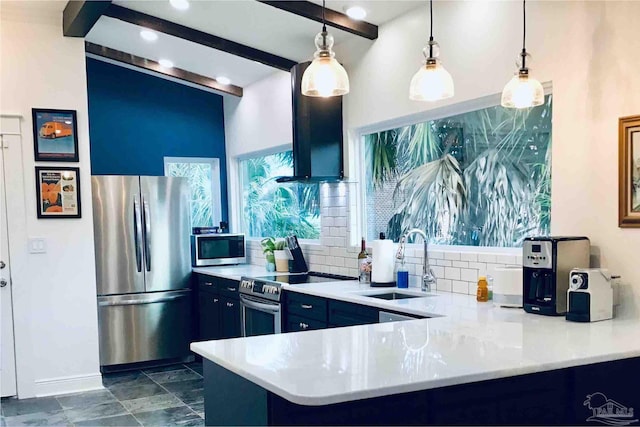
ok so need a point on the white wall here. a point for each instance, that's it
(583, 48)
(261, 119)
(55, 312)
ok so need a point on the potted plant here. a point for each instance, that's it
(276, 254)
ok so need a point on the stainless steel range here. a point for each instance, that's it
(260, 299)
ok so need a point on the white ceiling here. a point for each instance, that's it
(243, 21)
(187, 55)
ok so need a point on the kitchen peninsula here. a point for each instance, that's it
(469, 363)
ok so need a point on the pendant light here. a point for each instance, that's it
(432, 82)
(325, 76)
(523, 91)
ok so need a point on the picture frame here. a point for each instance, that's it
(58, 192)
(629, 172)
(55, 135)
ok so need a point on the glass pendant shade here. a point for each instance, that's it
(522, 91)
(432, 82)
(325, 76)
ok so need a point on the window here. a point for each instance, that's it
(482, 178)
(273, 209)
(204, 179)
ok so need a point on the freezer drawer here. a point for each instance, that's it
(144, 327)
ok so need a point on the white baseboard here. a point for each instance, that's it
(64, 385)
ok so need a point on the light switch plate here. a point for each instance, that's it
(37, 245)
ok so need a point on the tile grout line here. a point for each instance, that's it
(181, 401)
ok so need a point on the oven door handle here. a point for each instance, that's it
(250, 303)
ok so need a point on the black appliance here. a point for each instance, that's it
(317, 135)
(547, 262)
(260, 299)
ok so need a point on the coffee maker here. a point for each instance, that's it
(546, 263)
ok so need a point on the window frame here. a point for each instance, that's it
(216, 189)
(237, 188)
(357, 147)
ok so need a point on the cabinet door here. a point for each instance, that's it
(347, 314)
(297, 324)
(209, 315)
(230, 318)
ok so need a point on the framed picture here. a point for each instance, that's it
(55, 135)
(629, 172)
(58, 190)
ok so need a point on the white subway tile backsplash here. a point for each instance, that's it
(327, 221)
(469, 275)
(339, 231)
(453, 256)
(478, 265)
(341, 252)
(459, 287)
(452, 273)
(443, 262)
(486, 258)
(466, 256)
(340, 222)
(436, 255)
(444, 285)
(438, 270)
(506, 259)
(461, 264)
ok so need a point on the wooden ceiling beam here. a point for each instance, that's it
(200, 37)
(150, 65)
(80, 16)
(334, 19)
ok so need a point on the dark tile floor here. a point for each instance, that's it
(168, 395)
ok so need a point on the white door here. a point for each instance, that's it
(7, 353)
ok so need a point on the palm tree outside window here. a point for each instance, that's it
(271, 209)
(481, 178)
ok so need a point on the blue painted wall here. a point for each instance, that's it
(136, 119)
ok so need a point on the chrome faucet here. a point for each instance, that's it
(428, 278)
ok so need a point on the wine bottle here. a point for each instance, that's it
(364, 263)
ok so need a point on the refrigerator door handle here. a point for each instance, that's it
(134, 301)
(147, 234)
(137, 233)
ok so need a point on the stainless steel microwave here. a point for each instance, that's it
(217, 249)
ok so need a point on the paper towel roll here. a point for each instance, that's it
(382, 263)
(507, 285)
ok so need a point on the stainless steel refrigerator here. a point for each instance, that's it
(141, 230)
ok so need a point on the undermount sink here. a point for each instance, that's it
(395, 295)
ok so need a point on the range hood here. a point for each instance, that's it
(317, 135)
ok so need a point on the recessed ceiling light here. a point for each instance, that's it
(356, 12)
(223, 80)
(180, 4)
(148, 35)
(165, 63)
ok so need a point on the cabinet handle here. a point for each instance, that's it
(229, 304)
(306, 306)
(215, 300)
(303, 325)
(208, 284)
(232, 289)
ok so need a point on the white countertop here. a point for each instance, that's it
(470, 342)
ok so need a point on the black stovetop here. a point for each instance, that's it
(300, 278)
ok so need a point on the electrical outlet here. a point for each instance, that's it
(37, 245)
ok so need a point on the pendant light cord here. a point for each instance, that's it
(524, 33)
(324, 26)
(431, 29)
